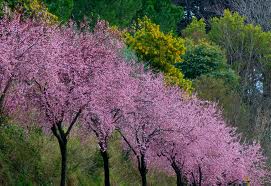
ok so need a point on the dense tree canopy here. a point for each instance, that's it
(203, 59)
(248, 52)
(120, 13)
(163, 13)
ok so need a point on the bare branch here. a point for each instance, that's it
(73, 121)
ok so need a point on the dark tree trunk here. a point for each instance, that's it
(200, 176)
(62, 138)
(179, 178)
(106, 168)
(63, 149)
(3, 95)
(143, 170)
(180, 181)
(143, 178)
(62, 141)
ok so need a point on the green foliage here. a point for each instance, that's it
(10, 3)
(20, 159)
(119, 12)
(1, 7)
(162, 51)
(208, 59)
(29, 157)
(232, 24)
(228, 99)
(61, 8)
(244, 43)
(30, 8)
(201, 59)
(81, 8)
(248, 52)
(163, 13)
(195, 30)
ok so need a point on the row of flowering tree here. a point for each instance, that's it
(65, 76)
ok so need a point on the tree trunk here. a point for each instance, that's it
(62, 138)
(62, 141)
(143, 170)
(63, 149)
(106, 168)
(143, 177)
(200, 176)
(3, 95)
(180, 181)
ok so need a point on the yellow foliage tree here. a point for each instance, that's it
(40, 10)
(35, 9)
(161, 51)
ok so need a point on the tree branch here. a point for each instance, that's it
(54, 130)
(125, 139)
(2, 97)
(73, 122)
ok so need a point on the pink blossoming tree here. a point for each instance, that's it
(18, 38)
(205, 151)
(62, 74)
(59, 89)
(144, 121)
(111, 90)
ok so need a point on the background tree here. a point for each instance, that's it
(247, 49)
(60, 8)
(119, 13)
(36, 9)
(160, 51)
(205, 9)
(204, 58)
(196, 30)
(163, 13)
(217, 90)
(215, 80)
(256, 12)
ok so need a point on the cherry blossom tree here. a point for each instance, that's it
(202, 150)
(59, 88)
(255, 164)
(18, 38)
(143, 121)
(111, 91)
(63, 73)
(82, 74)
